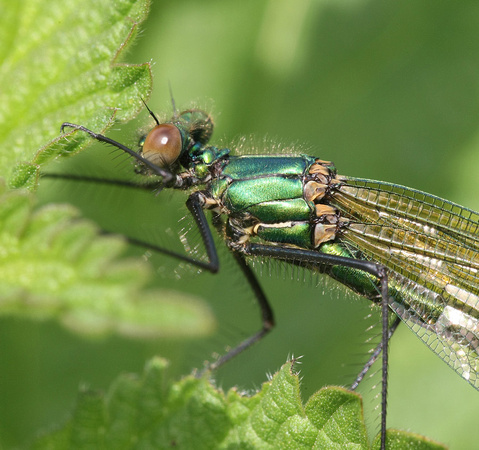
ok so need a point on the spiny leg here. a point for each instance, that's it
(149, 186)
(383, 277)
(267, 316)
(205, 265)
(379, 271)
(195, 205)
(374, 355)
(165, 174)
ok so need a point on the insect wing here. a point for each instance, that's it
(431, 247)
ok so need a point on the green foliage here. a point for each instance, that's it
(63, 64)
(151, 412)
(53, 265)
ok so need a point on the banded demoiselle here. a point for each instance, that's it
(412, 253)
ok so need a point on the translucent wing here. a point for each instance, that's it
(431, 247)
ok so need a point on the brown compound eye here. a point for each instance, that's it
(162, 145)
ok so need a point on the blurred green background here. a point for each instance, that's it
(387, 90)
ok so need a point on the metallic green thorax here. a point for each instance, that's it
(277, 199)
(196, 128)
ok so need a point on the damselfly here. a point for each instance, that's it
(412, 253)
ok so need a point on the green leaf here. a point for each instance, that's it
(151, 412)
(63, 63)
(53, 265)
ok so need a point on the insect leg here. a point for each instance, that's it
(267, 316)
(195, 205)
(374, 355)
(149, 186)
(167, 176)
(379, 271)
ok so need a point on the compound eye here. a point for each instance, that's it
(162, 145)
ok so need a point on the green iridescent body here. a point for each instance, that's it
(267, 193)
(428, 245)
(263, 197)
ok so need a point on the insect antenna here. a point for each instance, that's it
(175, 112)
(152, 114)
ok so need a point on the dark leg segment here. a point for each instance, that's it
(167, 176)
(385, 359)
(374, 355)
(266, 314)
(211, 265)
(84, 178)
(164, 251)
(195, 204)
(379, 271)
